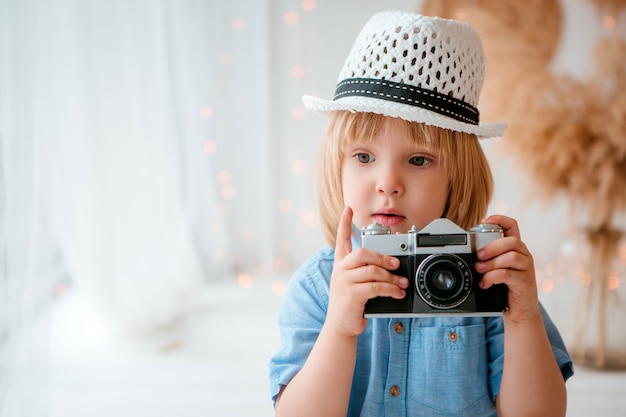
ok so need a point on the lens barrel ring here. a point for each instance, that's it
(443, 281)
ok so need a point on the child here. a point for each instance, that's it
(402, 149)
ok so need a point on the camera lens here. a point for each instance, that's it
(443, 281)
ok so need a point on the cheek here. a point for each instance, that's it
(350, 190)
(436, 195)
(441, 194)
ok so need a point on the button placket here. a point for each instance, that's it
(399, 333)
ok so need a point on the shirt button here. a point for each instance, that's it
(398, 327)
(453, 336)
(394, 391)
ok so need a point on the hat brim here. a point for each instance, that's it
(359, 104)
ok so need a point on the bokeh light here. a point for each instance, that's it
(224, 176)
(282, 263)
(298, 113)
(309, 217)
(279, 288)
(244, 280)
(214, 227)
(501, 207)
(227, 192)
(285, 205)
(237, 24)
(210, 147)
(206, 112)
(226, 59)
(609, 22)
(308, 5)
(247, 234)
(547, 285)
(298, 167)
(217, 255)
(613, 282)
(291, 18)
(297, 71)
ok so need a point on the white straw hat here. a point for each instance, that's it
(418, 68)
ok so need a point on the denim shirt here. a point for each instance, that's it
(434, 366)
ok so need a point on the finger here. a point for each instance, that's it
(375, 289)
(373, 273)
(509, 225)
(500, 247)
(364, 257)
(343, 245)
(516, 281)
(509, 261)
(499, 276)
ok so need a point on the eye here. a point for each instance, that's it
(364, 158)
(419, 161)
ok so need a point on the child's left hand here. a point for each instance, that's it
(508, 261)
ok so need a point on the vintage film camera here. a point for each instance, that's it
(439, 263)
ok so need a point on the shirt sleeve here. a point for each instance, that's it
(302, 314)
(495, 345)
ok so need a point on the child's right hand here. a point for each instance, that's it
(357, 277)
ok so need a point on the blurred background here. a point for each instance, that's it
(156, 189)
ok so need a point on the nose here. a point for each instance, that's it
(390, 183)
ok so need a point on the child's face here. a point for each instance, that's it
(393, 181)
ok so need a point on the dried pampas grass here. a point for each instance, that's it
(567, 135)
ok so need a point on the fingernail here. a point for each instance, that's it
(481, 254)
(480, 266)
(395, 262)
(404, 282)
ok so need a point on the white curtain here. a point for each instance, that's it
(149, 147)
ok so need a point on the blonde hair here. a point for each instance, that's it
(469, 175)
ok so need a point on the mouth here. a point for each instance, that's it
(388, 218)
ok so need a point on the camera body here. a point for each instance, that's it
(439, 264)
